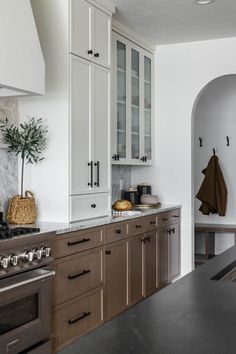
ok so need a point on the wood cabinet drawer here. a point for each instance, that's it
(89, 206)
(76, 318)
(77, 241)
(169, 217)
(115, 232)
(141, 225)
(77, 274)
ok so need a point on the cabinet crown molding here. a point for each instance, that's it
(107, 6)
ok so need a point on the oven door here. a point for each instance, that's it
(25, 310)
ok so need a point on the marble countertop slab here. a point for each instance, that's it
(61, 228)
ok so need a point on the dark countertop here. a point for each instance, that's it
(195, 315)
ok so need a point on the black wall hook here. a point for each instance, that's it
(200, 141)
(227, 139)
(214, 152)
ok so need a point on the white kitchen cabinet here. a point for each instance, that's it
(132, 141)
(90, 127)
(90, 33)
(77, 107)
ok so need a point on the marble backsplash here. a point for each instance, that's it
(120, 172)
(8, 162)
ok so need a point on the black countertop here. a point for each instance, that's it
(195, 315)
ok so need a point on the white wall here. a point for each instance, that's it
(214, 119)
(182, 71)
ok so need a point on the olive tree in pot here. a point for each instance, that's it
(28, 141)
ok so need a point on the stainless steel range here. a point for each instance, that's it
(25, 290)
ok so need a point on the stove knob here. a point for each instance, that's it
(4, 262)
(28, 256)
(46, 251)
(13, 259)
(38, 253)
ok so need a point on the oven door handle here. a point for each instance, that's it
(46, 275)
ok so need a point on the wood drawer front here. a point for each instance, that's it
(77, 275)
(115, 232)
(169, 217)
(77, 318)
(77, 241)
(141, 225)
(89, 206)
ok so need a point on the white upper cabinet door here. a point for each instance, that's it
(80, 139)
(102, 38)
(101, 128)
(81, 29)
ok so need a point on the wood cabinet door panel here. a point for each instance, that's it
(116, 299)
(169, 217)
(136, 269)
(163, 256)
(174, 251)
(76, 241)
(77, 274)
(151, 262)
(77, 318)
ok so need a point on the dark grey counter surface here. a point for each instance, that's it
(195, 315)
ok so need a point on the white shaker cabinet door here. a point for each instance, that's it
(81, 28)
(101, 128)
(80, 130)
(101, 38)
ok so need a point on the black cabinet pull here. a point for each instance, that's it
(93, 206)
(70, 277)
(175, 216)
(118, 231)
(108, 252)
(78, 242)
(144, 159)
(116, 157)
(90, 51)
(85, 314)
(97, 164)
(153, 222)
(148, 238)
(96, 55)
(143, 239)
(138, 226)
(91, 174)
(165, 219)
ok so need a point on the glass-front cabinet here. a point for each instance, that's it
(132, 113)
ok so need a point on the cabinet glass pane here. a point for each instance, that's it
(121, 99)
(135, 104)
(147, 107)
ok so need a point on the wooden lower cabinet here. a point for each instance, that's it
(116, 279)
(136, 269)
(169, 253)
(76, 318)
(150, 262)
(102, 271)
(174, 251)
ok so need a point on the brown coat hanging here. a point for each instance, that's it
(213, 191)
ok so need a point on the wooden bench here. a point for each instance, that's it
(209, 231)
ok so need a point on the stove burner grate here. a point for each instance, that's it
(6, 232)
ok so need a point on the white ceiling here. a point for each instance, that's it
(175, 21)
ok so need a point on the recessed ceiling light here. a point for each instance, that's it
(204, 2)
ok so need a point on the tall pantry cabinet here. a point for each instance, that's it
(76, 40)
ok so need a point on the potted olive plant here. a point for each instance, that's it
(28, 141)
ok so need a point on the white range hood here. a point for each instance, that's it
(22, 67)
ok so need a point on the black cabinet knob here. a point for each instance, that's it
(108, 252)
(138, 226)
(96, 55)
(118, 231)
(90, 51)
(93, 206)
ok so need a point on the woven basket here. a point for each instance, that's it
(22, 210)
